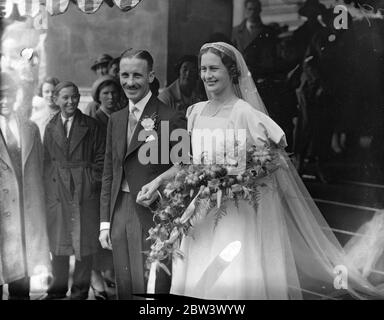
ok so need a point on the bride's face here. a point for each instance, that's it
(214, 73)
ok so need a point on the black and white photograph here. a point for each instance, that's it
(210, 152)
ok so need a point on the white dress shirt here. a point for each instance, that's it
(140, 105)
(138, 109)
(12, 126)
(69, 125)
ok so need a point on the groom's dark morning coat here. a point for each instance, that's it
(121, 161)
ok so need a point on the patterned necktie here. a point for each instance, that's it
(132, 122)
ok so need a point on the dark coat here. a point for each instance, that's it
(242, 38)
(73, 170)
(20, 258)
(172, 96)
(119, 159)
(102, 119)
(91, 108)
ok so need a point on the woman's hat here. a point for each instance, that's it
(97, 84)
(102, 59)
(186, 58)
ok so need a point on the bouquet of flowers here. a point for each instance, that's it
(202, 187)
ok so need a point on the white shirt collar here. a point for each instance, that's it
(140, 105)
(12, 122)
(70, 119)
(2, 118)
(249, 25)
(2, 124)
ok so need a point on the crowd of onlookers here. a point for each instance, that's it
(324, 86)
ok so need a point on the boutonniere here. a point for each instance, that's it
(149, 122)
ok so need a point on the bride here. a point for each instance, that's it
(283, 249)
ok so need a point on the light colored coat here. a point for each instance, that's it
(20, 258)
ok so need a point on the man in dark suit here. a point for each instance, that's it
(251, 28)
(124, 223)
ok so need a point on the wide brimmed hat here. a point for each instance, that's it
(311, 6)
(97, 84)
(102, 59)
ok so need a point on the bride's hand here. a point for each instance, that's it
(148, 193)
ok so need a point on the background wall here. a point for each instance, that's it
(191, 22)
(75, 39)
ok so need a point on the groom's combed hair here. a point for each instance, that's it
(139, 54)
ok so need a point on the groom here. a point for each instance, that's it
(125, 224)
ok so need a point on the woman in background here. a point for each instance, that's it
(106, 91)
(183, 91)
(43, 107)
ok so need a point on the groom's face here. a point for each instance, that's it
(135, 78)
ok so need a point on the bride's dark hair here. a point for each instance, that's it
(228, 61)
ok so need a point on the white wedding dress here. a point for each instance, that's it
(283, 249)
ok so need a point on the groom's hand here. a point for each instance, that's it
(148, 193)
(105, 240)
(146, 199)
